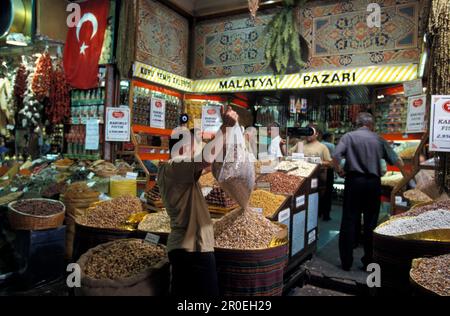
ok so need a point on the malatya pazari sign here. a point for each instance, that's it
(318, 79)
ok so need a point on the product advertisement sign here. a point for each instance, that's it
(440, 123)
(92, 134)
(211, 119)
(117, 125)
(158, 113)
(416, 114)
(414, 87)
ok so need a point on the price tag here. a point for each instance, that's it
(5, 178)
(83, 169)
(300, 201)
(267, 169)
(25, 190)
(90, 175)
(311, 237)
(284, 215)
(314, 183)
(398, 200)
(91, 184)
(258, 210)
(142, 197)
(13, 190)
(132, 175)
(263, 185)
(69, 182)
(298, 156)
(152, 238)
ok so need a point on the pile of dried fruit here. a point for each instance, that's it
(123, 259)
(208, 180)
(304, 169)
(428, 221)
(441, 205)
(417, 196)
(111, 214)
(266, 200)
(103, 169)
(433, 274)
(38, 207)
(408, 153)
(156, 222)
(220, 198)
(244, 230)
(281, 183)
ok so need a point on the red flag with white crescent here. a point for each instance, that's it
(84, 44)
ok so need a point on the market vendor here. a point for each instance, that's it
(362, 150)
(311, 147)
(191, 242)
(277, 147)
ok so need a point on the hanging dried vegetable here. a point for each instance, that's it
(20, 86)
(42, 79)
(30, 115)
(59, 108)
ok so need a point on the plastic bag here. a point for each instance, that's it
(236, 174)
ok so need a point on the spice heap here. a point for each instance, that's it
(417, 196)
(53, 190)
(408, 153)
(156, 222)
(208, 180)
(111, 214)
(441, 205)
(38, 207)
(281, 183)
(103, 169)
(431, 220)
(266, 200)
(123, 168)
(123, 259)
(245, 230)
(218, 197)
(433, 274)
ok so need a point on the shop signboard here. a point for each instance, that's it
(412, 88)
(158, 113)
(440, 123)
(153, 74)
(211, 118)
(117, 125)
(417, 106)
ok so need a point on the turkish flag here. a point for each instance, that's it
(84, 44)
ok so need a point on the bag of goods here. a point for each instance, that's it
(123, 168)
(432, 274)
(245, 230)
(425, 222)
(129, 267)
(267, 201)
(236, 175)
(120, 186)
(103, 169)
(112, 214)
(281, 183)
(416, 196)
(155, 223)
(219, 198)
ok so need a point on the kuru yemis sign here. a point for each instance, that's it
(117, 125)
(440, 124)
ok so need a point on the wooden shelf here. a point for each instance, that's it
(154, 156)
(151, 130)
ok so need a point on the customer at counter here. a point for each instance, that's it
(362, 150)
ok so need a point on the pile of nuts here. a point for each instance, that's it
(38, 207)
(156, 222)
(417, 196)
(111, 214)
(441, 205)
(428, 221)
(245, 230)
(266, 200)
(123, 259)
(103, 169)
(208, 181)
(433, 274)
(281, 183)
(304, 169)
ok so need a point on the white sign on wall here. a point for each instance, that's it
(440, 123)
(416, 114)
(412, 88)
(158, 113)
(117, 125)
(211, 119)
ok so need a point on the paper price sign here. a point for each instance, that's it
(311, 237)
(211, 119)
(314, 183)
(416, 114)
(158, 113)
(152, 238)
(117, 125)
(258, 210)
(284, 215)
(300, 201)
(263, 185)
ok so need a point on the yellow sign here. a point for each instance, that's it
(162, 77)
(385, 74)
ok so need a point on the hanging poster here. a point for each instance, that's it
(92, 134)
(414, 87)
(117, 125)
(440, 123)
(416, 114)
(158, 113)
(211, 119)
